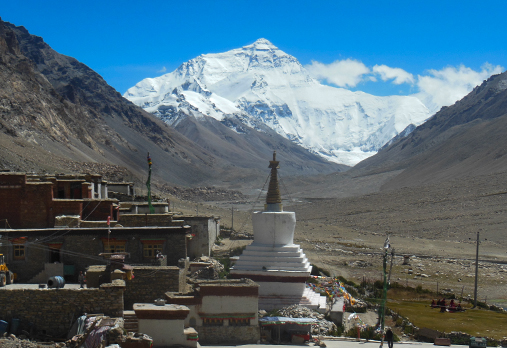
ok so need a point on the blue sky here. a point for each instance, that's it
(354, 44)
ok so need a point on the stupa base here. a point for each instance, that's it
(309, 299)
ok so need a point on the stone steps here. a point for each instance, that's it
(130, 322)
(273, 258)
(294, 248)
(309, 299)
(279, 266)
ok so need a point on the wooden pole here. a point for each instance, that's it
(476, 270)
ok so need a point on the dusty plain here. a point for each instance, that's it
(436, 225)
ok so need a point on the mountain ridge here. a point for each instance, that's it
(461, 140)
(57, 113)
(264, 84)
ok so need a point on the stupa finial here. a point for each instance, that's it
(273, 198)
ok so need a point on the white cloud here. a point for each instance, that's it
(444, 87)
(163, 70)
(342, 73)
(398, 75)
(435, 88)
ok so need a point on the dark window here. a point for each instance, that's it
(150, 250)
(212, 322)
(239, 322)
(19, 251)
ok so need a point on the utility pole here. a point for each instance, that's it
(232, 218)
(390, 267)
(476, 270)
(148, 185)
(382, 309)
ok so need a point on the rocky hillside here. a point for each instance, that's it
(463, 140)
(260, 85)
(57, 114)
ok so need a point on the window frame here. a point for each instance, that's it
(239, 321)
(20, 249)
(150, 248)
(210, 322)
(115, 245)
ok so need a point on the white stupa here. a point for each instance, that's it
(278, 265)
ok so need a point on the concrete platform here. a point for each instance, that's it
(36, 286)
(344, 343)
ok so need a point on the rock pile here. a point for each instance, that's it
(210, 272)
(323, 327)
(108, 171)
(202, 194)
(18, 342)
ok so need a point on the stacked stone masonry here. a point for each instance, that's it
(140, 220)
(151, 283)
(53, 311)
(228, 335)
(81, 247)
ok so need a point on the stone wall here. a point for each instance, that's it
(151, 283)
(36, 206)
(205, 230)
(67, 207)
(53, 311)
(140, 220)
(228, 335)
(97, 210)
(35, 258)
(81, 247)
(25, 205)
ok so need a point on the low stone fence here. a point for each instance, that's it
(53, 311)
(140, 220)
(152, 282)
(228, 335)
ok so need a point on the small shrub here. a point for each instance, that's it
(226, 262)
(311, 280)
(482, 305)
(338, 332)
(273, 313)
(347, 282)
(368, 333)
(237, 251)
(460, 340)
(420, 290)
(492, 343)
(396, 285)
(317, 271)
(352, 291)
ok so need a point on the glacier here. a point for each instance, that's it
(260, 84)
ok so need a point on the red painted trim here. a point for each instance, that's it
(148, 241)
(267, 278)
(247, 291)
(157, 314)
(55, 245)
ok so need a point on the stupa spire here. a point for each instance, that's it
(273, 198)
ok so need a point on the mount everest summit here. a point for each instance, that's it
(259, 85)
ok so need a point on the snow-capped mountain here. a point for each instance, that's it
(259, 83)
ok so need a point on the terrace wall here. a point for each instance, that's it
(53, 311)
